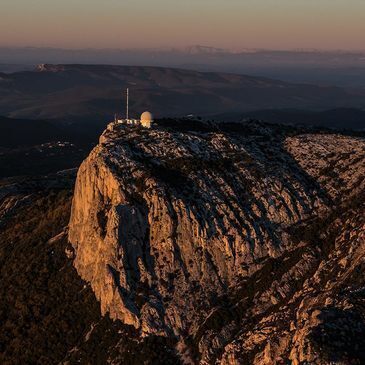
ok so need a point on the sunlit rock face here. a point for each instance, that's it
(206, 236)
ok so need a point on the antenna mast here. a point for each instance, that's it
(127, 114)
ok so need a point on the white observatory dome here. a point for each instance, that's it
(146, 119)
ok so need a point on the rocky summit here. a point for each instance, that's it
(239, 243)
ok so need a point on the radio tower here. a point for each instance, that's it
(127, 111)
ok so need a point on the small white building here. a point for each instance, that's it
(145, 121)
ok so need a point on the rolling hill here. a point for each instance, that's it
(91, 92)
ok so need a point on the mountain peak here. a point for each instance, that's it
(200, 49)
(44, 67)
(177, 230)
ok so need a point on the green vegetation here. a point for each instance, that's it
(46, 310)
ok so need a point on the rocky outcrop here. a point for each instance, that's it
(313, 314)
(207, 236)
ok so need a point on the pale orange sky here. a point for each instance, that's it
(235, 24)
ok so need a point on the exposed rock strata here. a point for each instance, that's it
(206, 236)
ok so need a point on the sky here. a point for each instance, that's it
(231, 24)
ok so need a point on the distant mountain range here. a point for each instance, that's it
(300, 56)
(341, 68)
(96, 92)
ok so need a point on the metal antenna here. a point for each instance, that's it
(127, 114)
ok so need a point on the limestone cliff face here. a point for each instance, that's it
(193, 235)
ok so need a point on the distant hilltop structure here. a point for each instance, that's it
(146, 119)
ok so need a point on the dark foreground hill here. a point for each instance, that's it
(205, 244)
(339, 118)
(89, 92)
(33, 147)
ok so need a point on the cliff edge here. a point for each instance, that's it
(225, 237)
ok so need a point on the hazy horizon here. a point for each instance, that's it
(187, 47)
(274, 25)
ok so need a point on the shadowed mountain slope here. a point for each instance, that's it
(49, 315)
(86, 91)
